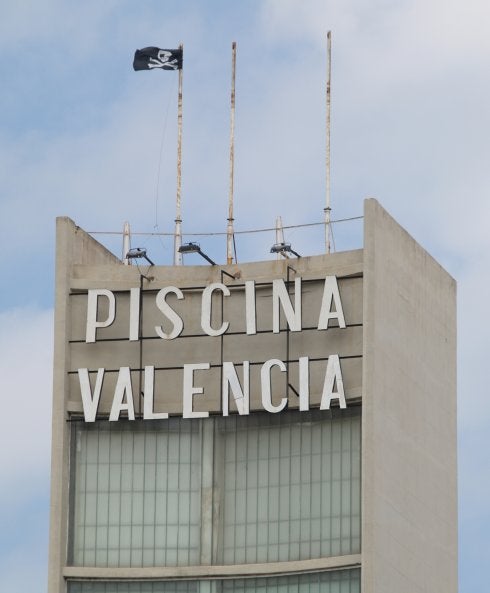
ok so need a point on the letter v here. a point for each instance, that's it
(90, 402)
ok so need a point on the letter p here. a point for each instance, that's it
(92, 306)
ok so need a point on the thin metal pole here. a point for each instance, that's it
(126, 244)
(140, 339)
(279, 234)
(327, 210)
(280, 237)
(289, 268)
(229, 232)
(178, 214)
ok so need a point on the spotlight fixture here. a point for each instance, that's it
(195, 248)
(283, 248)
(138, 252)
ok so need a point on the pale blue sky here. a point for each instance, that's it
(80, 135)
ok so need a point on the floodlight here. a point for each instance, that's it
(283, 248)
(195, 248)
(190, 248)
(138, 252)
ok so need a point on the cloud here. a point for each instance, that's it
(396, 133)
(24, 541)
(437, 30)
(27, 22)
(26, 347)
(290, 21)
(388, 86)
(410, 120)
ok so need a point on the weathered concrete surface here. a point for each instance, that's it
(82, 263)
(409, 495)
(407, 377)
(73, 246)
(194, 346)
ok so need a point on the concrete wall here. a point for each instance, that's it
(409, 506)
(73, 246)
(113, 349)
(82, 263)
(400, 305)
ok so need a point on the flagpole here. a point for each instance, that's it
(327, 210)
(178, 215)
(230, 231)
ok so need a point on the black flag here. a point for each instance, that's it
(150, 58)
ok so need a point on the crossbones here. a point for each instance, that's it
(163, 60)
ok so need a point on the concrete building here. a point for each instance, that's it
(276, 426)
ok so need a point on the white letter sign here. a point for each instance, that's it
(134, 314)
(333, 376)
(265, 379)
(170, 314)
(123, 387)
(304, 383)
(241, 396)
(246, 326)
(92, 305)
(331, 293)
(90, 402)
(189, 390)
(149, 396)
(250, 307)
(207, 295)
(280, 296)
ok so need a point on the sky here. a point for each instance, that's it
(82, 135)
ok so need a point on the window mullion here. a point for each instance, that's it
(207, 453)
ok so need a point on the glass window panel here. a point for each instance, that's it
(317, 498)
(336, 581)
(287, 487)
(108, 528)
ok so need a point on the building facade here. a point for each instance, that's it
(281, 426)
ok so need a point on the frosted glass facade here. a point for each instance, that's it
(291, 486)
(283, 487)
(337, 581)
(137, 494)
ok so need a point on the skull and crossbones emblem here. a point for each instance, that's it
(163, 60)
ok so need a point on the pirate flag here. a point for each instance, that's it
(150, 58)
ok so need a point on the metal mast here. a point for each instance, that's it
(327, 210)
(178, 214)
(229, 231)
